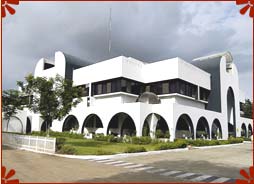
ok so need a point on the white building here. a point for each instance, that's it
(126, 96)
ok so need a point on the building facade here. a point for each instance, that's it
(124, 96)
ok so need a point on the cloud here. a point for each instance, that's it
(148, 31)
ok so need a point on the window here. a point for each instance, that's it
(48, 66)
(85, 90)
(147, 88)
(99, 89)
(137, 88)
(108, 88)
(165, 88)
(204, 94)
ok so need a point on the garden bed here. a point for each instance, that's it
(71, 143)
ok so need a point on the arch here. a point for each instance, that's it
(157, 125)
(70, 123)
(91, 124)
(162, 130)
(121, 124)
(216, 129)
(14, 125)
(249, 130)
(202, 129)
(184, 127)
(231, 113)
(44, 126)
(146, 129)
(243, 130)
(28, 125)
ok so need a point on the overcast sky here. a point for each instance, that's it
(148, 31)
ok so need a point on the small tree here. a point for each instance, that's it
(11, 103)
(52, 98)
(247, 108)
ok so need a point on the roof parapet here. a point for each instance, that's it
(228, 56)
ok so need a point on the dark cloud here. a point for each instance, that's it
(148, 31)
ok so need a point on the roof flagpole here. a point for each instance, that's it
(109, 32)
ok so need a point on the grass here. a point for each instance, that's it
(93, 147)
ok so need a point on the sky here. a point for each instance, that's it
(147, 31)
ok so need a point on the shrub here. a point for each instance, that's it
(68, 149)
(100, 137)
(214, 142)
(60, 142)
(141, 140)
(181, 143)
(38, 133)
(107, 138)
(58, 134)
(165, 146)
(103, 152)
(127, 139)
(234, 140)
(246, 139)
(200, 142)
(159, 134)
(134, 149)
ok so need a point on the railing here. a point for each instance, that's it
(34, 143)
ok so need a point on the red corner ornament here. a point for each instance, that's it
(249, 5)
(249, 178)
(5, 5)
(5, 177)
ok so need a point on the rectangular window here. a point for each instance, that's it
(123, 85)
(128, 87)
(182, 88)
(99, 89)
(108, 90)
(148, 88)
(204, 94)
(165, 88)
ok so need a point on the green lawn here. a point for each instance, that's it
(93, 147)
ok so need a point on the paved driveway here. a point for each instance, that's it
(216, 164)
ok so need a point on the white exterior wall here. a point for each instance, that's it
(171, 108)
(229, 79)
(104, 70)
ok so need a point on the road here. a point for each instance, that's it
(208, 165)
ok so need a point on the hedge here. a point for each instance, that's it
(134, 149)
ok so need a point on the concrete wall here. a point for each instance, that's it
(172, 106)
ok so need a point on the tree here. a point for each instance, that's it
(247, 108)
(11, 103)
(52, 98)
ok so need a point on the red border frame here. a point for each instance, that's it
(129, 1)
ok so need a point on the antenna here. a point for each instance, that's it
(109, 32)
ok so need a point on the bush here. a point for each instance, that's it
(199, 142)
(100, 137)
(172, 145)
(181, 143)
(68, 149)
(159, 134)
(141, 140)
(214, 142)
(38, 133)
(60, 142)
(107, 138)
(103, 152)
(246, 139)
(165, 146)
(134, 149)
(235, 140)
(58, 134)
(127, 139)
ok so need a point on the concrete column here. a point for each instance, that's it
(152, 121)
